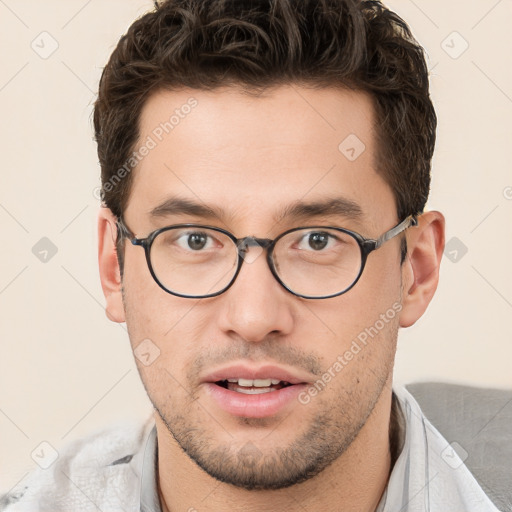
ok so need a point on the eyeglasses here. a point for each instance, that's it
(314, 262)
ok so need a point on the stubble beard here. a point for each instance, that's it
(327, 437)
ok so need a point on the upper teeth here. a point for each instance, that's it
(258, 383)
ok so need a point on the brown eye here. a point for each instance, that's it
(318, 241)
(197, 241)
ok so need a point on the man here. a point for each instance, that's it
(265, 168)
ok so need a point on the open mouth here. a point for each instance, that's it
(253, 386)
(249, 392)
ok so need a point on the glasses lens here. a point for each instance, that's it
(193, 261)
(317, 262)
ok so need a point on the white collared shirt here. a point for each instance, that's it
(429, 476)
(116, 471)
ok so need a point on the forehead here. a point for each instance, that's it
(253, 155)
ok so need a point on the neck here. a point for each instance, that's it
(354, 482)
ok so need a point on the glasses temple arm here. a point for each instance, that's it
(411, 220)
(123, 230)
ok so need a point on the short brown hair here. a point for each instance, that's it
(257, 44)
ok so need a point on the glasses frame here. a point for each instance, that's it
(366, 246)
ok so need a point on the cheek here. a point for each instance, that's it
(356, 333)
(359, 363)
(375, 299)
(379, 286)
(159, 324)
(162, 342)
(150, 311)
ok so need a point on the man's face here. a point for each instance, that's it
(251, 158)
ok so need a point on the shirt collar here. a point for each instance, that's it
(149, 500)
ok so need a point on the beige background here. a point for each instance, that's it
(65, 369)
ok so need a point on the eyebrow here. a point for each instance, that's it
(338, 206)
(178, 206)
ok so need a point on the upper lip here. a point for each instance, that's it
(242, 371)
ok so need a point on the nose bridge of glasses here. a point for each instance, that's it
(243, 244)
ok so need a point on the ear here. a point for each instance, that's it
(110, 273)
(420, 272)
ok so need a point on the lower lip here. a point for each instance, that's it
(260, 405)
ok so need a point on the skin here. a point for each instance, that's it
(251, 156)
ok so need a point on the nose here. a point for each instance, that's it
(256, 305)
